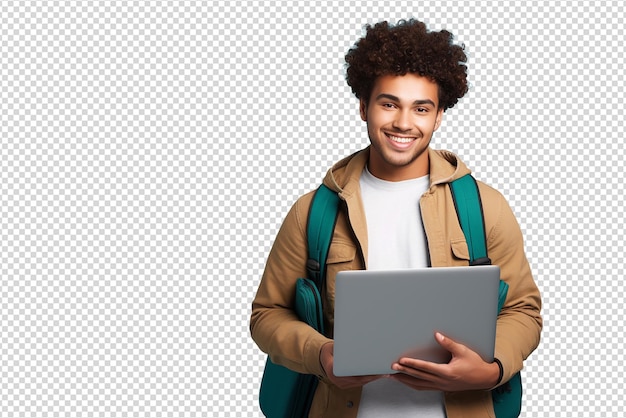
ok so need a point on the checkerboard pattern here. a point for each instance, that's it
(149, 151)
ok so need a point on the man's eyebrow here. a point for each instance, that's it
(397, 99)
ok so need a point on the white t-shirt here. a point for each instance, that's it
(396, 239)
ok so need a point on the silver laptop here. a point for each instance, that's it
(381, 316)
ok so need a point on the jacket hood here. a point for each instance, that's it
(344, 176)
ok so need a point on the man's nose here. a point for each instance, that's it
(402, 121)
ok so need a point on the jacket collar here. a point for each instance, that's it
(344, 176)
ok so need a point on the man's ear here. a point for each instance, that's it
(439, 118)
(363, 109)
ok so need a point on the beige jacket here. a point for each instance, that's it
(292, 343)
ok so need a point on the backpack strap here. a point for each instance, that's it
(320, 226)
(469, 210)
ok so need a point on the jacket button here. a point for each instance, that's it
(350, 404)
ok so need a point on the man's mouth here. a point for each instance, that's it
(401, 139)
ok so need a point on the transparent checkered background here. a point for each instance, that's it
(149, 151)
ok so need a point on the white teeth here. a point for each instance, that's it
(400, 140)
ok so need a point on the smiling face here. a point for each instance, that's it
(402, 114)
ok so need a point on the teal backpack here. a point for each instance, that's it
(285, 393)
(288, 394)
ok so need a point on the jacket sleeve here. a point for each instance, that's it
(519, 322)
(273, 323)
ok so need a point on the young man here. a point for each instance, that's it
(397, 212)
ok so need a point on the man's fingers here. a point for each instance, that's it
(418, 368)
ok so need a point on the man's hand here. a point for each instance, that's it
(465, 371)
(326, 359)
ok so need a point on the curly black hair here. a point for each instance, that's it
(407, 47)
